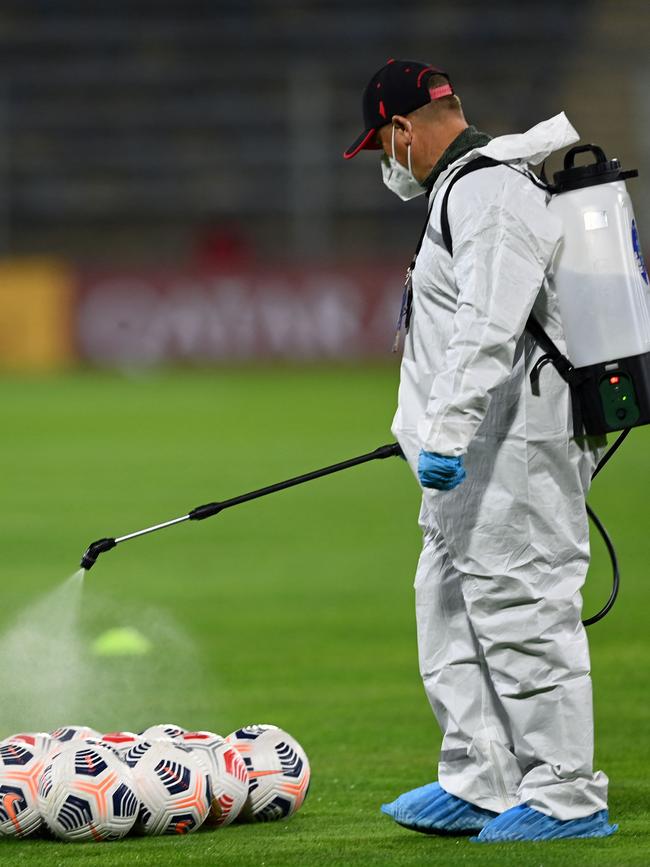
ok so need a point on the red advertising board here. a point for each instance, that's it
(201, 315)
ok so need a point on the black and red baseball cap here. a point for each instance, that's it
(399, 87)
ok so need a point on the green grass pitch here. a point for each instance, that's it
(299, 606)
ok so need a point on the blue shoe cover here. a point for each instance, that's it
(431, 810)
(524, 823)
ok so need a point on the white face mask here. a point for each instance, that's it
(398, 179)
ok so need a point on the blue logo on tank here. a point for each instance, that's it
(638, 255)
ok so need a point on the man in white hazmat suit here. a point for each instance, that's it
(503, 652)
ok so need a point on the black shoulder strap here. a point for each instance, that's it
(552, 354)
(468, 168)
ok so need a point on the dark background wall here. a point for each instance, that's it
(135, 130)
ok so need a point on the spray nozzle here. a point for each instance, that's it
(94, 550)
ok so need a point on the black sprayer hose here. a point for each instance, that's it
(610, 452)
(616, 578)
(611, 550)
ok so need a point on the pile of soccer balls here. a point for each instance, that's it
(81, 785)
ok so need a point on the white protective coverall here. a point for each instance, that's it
(503, 653)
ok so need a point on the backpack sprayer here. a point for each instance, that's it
(603, 292)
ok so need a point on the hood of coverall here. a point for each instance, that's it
(532, 146)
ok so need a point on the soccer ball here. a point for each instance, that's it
(21, 767)
(92, 742)
(121, 742)
(74, 733)
(86, 792)
(278, 772)
(39, 742)
(164, 730)
(228, 775)
(173, 786)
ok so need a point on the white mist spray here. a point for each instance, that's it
(51, 677)
(41, 650)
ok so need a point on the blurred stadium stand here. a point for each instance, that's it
(128, 126)
(176, 131)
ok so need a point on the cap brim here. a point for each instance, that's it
(365, 141)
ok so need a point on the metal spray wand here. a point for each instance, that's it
(209, 509)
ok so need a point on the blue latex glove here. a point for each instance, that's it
(438, 471)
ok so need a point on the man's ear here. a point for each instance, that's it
(404, 127)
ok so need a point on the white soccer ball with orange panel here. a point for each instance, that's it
(228, 775)
(121, 742)
(173, 786)
(40, 742)
(21, 766)
(162, 731)
(67, 734)
(278, 772)
(87, 792)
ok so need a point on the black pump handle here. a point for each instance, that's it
(598, 152)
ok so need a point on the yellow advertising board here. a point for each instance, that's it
(36, 301)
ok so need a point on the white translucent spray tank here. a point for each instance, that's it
(603, 292)
(600, 278)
